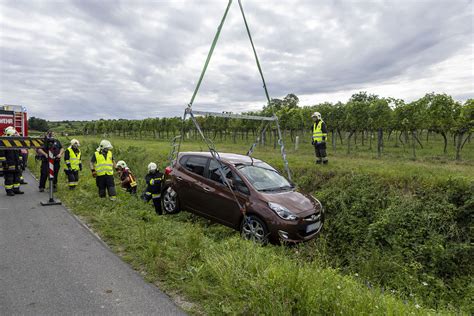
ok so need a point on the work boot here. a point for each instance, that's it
(17, 191)
(318, 162)
(10, 193)
(41, 189)
(325, 162)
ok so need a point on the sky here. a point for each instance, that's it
(86, 60)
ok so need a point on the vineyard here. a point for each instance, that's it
(367, 119)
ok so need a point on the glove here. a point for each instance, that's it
(80, 166)
(312, 142)
(69, 167)
(94, 173)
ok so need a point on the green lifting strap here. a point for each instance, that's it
(209, 55)
(255, 54)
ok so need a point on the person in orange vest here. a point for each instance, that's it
(320, 133)
(128, 181)
(72, 158)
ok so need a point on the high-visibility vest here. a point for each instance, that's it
(74, 160)
(317, 132)
(104, 166)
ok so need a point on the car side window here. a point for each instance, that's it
(215, 175)
(196, 165)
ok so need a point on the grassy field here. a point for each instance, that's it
(397, 240)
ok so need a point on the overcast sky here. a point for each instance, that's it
(87, 59)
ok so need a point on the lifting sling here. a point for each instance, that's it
(175, 147)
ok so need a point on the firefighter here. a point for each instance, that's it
(57, 151)
(102, 167)
(12, 166)
(320, 134)
(23, 161)
(127, 179)
(153, 181)
(72, 158)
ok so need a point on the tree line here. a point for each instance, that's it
(365, 116)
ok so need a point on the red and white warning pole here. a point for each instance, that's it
(51, 200)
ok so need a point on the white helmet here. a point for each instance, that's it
(104, 144)
(10, 131)
(317, 115)
(75, 142)
(122, 164)
(152, 167)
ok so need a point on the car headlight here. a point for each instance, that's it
(282, 211)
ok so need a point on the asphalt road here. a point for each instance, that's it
(51, 264)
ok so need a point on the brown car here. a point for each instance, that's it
(275, 210)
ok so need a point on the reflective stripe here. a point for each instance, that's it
(317, 132)
(104, 166)
(16, 185)
(156, 196)
(152, 181)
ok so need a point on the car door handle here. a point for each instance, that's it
(179, 178)
(206, 189)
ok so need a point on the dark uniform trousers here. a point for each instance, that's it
(106, 182)
(72, 177)
(320, 150)
(12, 171)
(45, 172)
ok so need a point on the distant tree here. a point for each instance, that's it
(38, 124)
(464, 124)
(440, 113)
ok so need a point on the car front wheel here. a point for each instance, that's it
(170, 201)
(253, 228)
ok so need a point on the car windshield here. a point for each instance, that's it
(264, 179)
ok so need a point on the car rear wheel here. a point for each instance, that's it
(170, 201)
(253, 228)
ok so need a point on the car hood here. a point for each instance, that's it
(297, 202)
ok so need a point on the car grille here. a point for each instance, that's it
(312, 218)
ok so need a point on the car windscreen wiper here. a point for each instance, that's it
(286, 187)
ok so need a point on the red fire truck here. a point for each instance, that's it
(14, 115)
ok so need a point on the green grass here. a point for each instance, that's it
(380, 245)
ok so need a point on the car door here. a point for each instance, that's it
(190, 182)
(223, 208)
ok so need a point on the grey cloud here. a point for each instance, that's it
(142, 58)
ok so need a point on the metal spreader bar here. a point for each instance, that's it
(236, 116)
